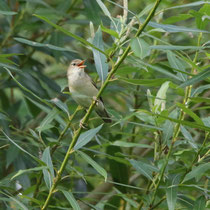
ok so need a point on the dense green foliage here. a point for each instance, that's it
(154, 154)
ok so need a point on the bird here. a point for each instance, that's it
(83, 89)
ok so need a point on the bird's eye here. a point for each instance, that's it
(74, 64)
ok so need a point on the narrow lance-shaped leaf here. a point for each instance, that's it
(80, 39)
(23, 150)
(145, 82)
(171, 193)
(69, 196)
(140, 47)
(95, 165)
(176, 64)
(99, 58)
(144, 168)
(188, 123)
(197, 172)
(45, 124)
(20, 172)
(172, 28)
(48, 174)
(37, 44)
(200, 203)
(177, 47)
(161, 97)
(85, 137)
(190, 113)
(197, 78)
(7, 12)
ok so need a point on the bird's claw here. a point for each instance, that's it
(82, 125)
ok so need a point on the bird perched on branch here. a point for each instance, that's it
(83, 89)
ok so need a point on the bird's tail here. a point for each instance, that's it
(104, 115)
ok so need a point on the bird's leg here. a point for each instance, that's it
(96, 100)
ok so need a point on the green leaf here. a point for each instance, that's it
(48, 173)
(199, 90)
(69, 196)
(23, 150)
(80, 39)
(200, 99)
(140, 47)
(9, 55)
(197, 172)
(162, 70)
(168, 128)
(61, 105)
(184, 122)
(176, 64)
(177, 47)
(206, 121)
(95, 165)
(194, 4)
(20, 172)
(110, 31)
(177, 18)
(200, 203)
(190, 113)
(189, 137)
(7, 12)
(173, 28)
(130, 144)
(160, 99)
(104, 9)
(144, 168)
(197, 78)
(118, 167)
(171, 194)
(85, 137)
(37, 44)
(16, 202)
(99, 58)
(45, 124)
(145, 82)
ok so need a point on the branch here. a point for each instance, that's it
(89, 111)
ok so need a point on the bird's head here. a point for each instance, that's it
(77, 63)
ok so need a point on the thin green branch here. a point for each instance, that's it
(89, 111)
(176, 130)
(39, 181)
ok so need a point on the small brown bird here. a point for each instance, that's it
(83, 89)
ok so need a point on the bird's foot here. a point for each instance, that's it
(82, 125)
(96, 100)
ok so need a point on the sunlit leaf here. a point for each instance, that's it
(140, 47)
(99, 58)
(48, 173)
(130, 144)
(85, 137)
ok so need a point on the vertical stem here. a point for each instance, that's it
(177, 128)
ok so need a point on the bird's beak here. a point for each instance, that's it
(81, 64)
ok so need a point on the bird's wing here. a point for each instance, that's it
(94, 84)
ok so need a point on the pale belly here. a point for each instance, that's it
(83, 91)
